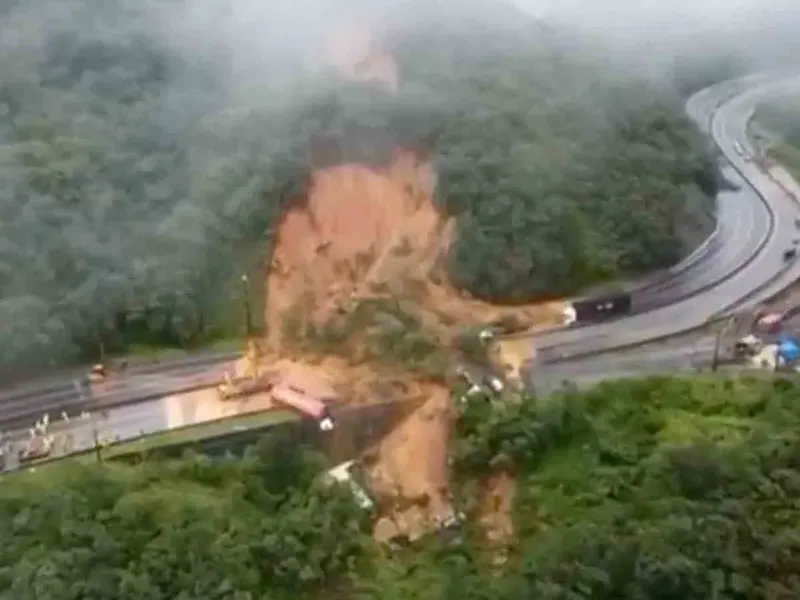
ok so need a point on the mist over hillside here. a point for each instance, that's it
(148, 146)
(650, 34)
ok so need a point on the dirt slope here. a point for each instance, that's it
(363, 228)
(330, 249)
(410, 475)
(366, 232)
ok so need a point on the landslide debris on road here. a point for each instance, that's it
(357, 294)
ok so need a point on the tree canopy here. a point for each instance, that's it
(775, 131)
(668, 488)
(143, 168)
(258, 527)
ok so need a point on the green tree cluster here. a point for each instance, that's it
(143, 174)
(776, 129)
(262, 526)
(665, 488)
(655, 488)
(781, 118)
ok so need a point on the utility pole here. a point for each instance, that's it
(248, 316)
(718, 344)
(252, 350)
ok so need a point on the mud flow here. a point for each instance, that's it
(371, 236)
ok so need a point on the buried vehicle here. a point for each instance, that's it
(482, 382)
(349, 473)
(289, 390)
(748, 346)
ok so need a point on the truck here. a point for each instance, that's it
(285, 389)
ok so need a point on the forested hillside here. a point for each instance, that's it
(777, 127)
(144, 166)
(676, 489)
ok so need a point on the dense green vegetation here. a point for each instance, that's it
(777, 126)
(144, 166)
(656, 488)
(665, 488)
(554, 192)
(252, 528)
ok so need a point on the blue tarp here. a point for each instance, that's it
(788, 350)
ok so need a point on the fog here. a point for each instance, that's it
(761, 32)
(131, 160)
(621, 17)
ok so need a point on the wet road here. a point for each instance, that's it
(757, 226)
(753, 232)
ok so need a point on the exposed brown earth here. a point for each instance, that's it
(364, 232)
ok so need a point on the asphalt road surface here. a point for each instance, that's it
(679, 355)
(757, 226)
(753, 233)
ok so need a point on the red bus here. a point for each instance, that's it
(311, 406)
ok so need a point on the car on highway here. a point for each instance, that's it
(740, 150)
(693, 295)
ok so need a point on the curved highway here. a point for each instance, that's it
(740, 264)
(711, 261)
(757, 225)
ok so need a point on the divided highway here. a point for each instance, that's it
(741, 263)
(757, 224)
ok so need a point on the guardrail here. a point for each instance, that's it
(663, 277)
(63, 396)
(66, 397)
(667, 300)
(112, 402)
(364, 423)
(723, 314)
(654, 280)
